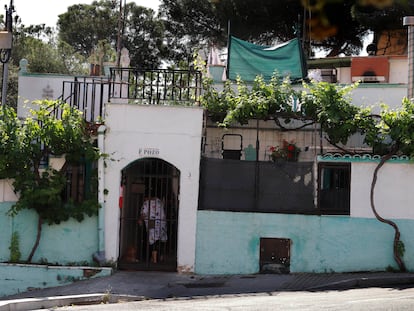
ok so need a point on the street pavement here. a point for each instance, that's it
(142, 285)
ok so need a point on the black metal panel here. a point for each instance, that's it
(225, 185)
(247, 186)
(286, 187)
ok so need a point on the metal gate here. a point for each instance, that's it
(149, 216)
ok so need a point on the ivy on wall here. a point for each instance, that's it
(327, 104)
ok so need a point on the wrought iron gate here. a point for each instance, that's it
(149, 216)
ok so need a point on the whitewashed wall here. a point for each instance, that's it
(6, 191)
(36, 87)
(344, 75)
(394, 193)
(374, 94)
(175, 133)
(398, 70)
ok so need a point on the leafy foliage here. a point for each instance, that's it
(336, 26)
(25, 144)
(83, 26)
(240, 103)
(14, 247)
(329, 105)
(144, 37)
(189, 25)
(43, 52)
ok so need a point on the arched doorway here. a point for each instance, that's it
(149, 215)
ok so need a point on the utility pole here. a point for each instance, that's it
(6, 38)
(121, 17)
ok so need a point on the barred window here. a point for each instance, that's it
(334, 184)
(81, 182)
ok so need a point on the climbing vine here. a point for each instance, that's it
(27, 144)
(327, 104)
(389, 132)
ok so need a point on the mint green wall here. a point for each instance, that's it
(228, 243)
(21, 278)
(69, 242)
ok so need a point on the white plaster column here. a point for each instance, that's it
(101, 191)
(409, 21)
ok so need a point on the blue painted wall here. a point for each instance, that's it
(67, 243)
(228, 243)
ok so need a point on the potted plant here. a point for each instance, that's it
(288, 152)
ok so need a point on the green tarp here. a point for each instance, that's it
(248, 60)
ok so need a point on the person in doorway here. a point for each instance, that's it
(153, 214)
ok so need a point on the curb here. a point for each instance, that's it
(364, 282)
(24, 304)
(60, 301)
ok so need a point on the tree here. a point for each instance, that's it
(143, 37)
(38, 45)
(332, 27)
(386, 22)
(336, 26)
(84, 26)
(25, 144)
(189, 26)
(263, 22)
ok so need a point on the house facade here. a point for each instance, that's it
(236, 212)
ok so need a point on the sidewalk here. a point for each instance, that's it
(138, 285)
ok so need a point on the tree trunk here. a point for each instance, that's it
(397, 256)
(39, 233)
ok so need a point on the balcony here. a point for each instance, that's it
(132, 86)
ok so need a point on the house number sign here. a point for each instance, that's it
(146, 152)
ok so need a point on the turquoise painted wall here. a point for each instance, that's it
(67, 243)
(228, 243)
(21, 278)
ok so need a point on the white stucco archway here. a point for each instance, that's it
(169, 133)
(149, 215)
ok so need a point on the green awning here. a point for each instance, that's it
(249, 60)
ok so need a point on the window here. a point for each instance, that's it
(80, 182)
(334, 180)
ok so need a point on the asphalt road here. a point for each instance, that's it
(356, 299)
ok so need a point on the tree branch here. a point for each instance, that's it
(397, 256)
(38, 235)
(339, 147)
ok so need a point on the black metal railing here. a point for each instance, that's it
(130, 85)
(88, 94)
(156, 86)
